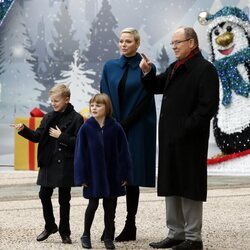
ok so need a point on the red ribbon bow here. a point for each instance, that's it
(36, 112)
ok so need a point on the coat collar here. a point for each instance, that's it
(65, 119)
(133, 61)
(189, 63)
(92, 121)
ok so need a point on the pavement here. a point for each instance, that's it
(226, 217)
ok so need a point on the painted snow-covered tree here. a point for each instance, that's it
(61, 48)
(1, 52)
(80, 85)
(145, 45)
(162, 60)
(30, 56)
(1, 61)
(20, 91)
(103, 42)
(41, 64)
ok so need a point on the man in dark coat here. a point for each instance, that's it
(56, 136)
(190, 88)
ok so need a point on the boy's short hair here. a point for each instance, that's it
(60, 89)
(133, 32)
(103, 99)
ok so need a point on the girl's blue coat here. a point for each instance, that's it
(142, 134)
(102, 159)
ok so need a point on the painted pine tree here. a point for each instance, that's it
(30, 56)
(145, 45)
(62, 48)
(80, 85)
(1, 51)
(20, 91)
(103, 42)
(162, 60)
(42, 65)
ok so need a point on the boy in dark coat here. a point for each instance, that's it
(102, 165)
(56, 137)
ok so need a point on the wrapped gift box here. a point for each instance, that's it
(26, 151)
(85, 113)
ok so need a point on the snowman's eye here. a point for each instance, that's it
(216, 32)
(229, 28)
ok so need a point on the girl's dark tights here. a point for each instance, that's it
(109, 206)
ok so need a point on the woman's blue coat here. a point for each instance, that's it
(102, 159)
(141, 134)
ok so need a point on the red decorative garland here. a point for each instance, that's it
(222, 158)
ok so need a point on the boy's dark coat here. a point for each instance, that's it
(59, 171)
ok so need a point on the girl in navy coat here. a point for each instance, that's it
(102, 165)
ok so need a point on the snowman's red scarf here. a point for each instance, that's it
(230, 76)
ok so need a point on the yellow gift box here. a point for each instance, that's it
(85, 113)
(25, 150)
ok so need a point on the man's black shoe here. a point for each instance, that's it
(45, 234)
(66, 239)
(189, 244)
(86, 243)
(166, 243)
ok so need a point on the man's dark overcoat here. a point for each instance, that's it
(102, 159)
(56, 158)
(190, 100)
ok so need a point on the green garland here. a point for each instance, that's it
(4, 6)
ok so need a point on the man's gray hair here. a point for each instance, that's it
(190, 33)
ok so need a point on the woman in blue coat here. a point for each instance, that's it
(102, 165)
(134, 108)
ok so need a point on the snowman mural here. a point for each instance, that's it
(228, 34)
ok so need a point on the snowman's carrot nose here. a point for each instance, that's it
(225, 39)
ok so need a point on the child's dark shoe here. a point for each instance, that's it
(109, 244)
(86, 243)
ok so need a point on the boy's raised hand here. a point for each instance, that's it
(19, 127)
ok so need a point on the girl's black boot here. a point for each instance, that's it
(128, 233)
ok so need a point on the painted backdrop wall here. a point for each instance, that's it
(43, 42)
